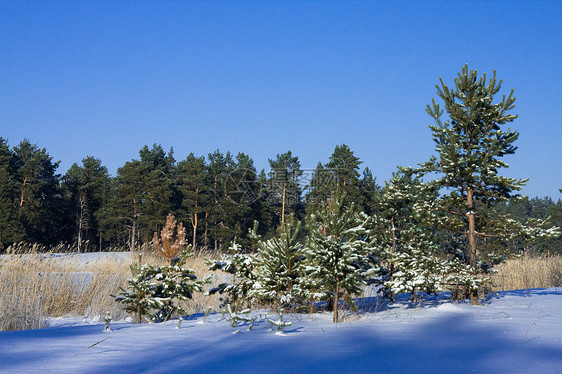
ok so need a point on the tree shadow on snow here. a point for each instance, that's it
(451, 345)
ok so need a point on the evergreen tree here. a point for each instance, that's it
(280, 267)
(241, 205)
(87, 186)
(157, 178)
(126, 203)
(323, 183)
(240, 266)
(283, 186)
(346, 166)
(554, 246)
(156, 290)
(143, 194)
(535, 218)
(192, 175)
(39, 200)
(338, 251)
(471, 145)
(341, 172)
(220, 166)
(10, 228)
(405, 224)
(369, 191)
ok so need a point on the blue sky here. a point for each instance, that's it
(103, 78)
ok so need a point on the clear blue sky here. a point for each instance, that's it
(87, 78)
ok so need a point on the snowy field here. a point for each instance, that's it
(514, 332)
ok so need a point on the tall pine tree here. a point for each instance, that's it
(88, 189)
(283, 188)
(191, 175)
(471, 144)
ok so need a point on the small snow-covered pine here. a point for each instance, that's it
(241, 266)
(155, 290)
(279, 323)
(338, 252)
(280, 267)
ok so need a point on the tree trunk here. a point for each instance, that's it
(336, 300)
(133, 235)
(283, 205)
(22, 197)
(393, 247)
(206, 237)
(81, 221)
(393, 251)
(194, 231)
(194, 219)
(472, 242)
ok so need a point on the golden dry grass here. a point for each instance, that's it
(528, 272)
(34, 286)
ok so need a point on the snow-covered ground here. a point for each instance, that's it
(514, 332)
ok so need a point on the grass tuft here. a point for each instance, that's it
(528, 272)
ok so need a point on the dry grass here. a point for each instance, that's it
(528, 272)
(35, 284)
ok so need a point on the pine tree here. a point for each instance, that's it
(280, 267)
(340, 173)
(241, 266)
(191, 174)
(283, 185)
(155, 290)
(338, 251)
(126, 203)
(405, 222)
(157, 177)
(10, 228)
(471, 145)
(369, 191)
(346, 166)
(241, 195)
(220, 166)
(87, 187)
(279, 323)
(143, 194)
(39, 201)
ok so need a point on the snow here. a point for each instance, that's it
(513, 332)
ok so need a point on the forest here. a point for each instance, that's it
(218, 197)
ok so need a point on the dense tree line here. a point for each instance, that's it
(217, 197)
